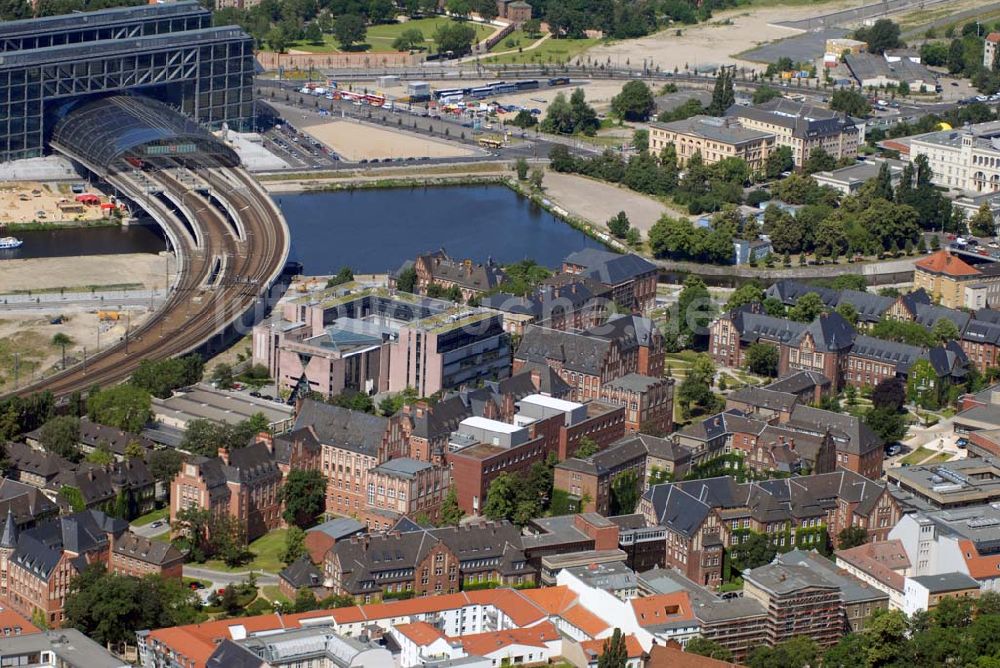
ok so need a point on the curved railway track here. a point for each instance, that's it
(208, 296)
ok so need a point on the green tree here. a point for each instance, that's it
(302, 495)
(778, 162)
(161, 377)
(587, 447)
(295, 544)
(945, 329)
(634, 102)
(882, 35)
(558, 120)
(765, 94)
(584, 117)
(349, 30)
(797, 652)
(451, 512)
(694, 308)
(61, 339)
(455, 38)
(762, 359)
(536, 177)
(748, 293)
(625, 493)
(521, 167)
(313, 34)
(808, 308)
(890, 426)
(757, 550)
(345, 275)
(640, 140)
(850, 102)
(61, 435)
(222, 376)
(723, 95)
(532, 28)
(134, 451)
(614, 653)
(125, 407)
(848, 312)
(819, 161)
(164, 464)
(851, 536)
(619, 225)
(524, 119)
(409, 40)
(101, 455)
(704, 647)
(981, 224)
(407, 280)
(889, 394)
(923, 387)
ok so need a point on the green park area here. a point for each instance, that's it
(151, 516)
(379, 38)
(267, 555)
(551, 51)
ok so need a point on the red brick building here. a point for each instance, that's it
(588, 481)
(631, 278)
(38, 564)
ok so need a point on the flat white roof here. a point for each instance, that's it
(490, 425)
(551, 402)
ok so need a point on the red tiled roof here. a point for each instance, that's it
(985, 568)
(521, 610)
(632, 646)
(10, 621)
(585, 620)
(993, 37)
(482, 644)
(662, 608)
(881, 560)
(673, 657)
(421, 633)
(318, 544)
(552, 600)
(943, 262)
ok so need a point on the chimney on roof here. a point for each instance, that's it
(267, 439)
(791, 443)
(536, 378)
(224, 454)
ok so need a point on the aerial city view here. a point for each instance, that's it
(490, 333)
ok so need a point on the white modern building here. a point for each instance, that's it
(965, 159)
(924, 592)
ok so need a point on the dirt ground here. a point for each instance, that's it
(358, 141)
(713, 43)
(27, 201)
(598, 202)
(26, 341)
(598, 94)
(50, 273)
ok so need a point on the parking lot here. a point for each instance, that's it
(297, 148)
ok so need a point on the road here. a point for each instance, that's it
(225, 270)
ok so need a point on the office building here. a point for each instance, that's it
(802, 127)
(714, 139)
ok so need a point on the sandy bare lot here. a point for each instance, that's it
(27, 201)
(76, 272)
(598, 202)
(711, 43)
(29, 336)
(598, 94)
(358, 141)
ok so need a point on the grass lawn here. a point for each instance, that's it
(917, 456)
(380, 38)
(267, 550)
(550, 51)
(152, 516)
(273, 594)
(516, 39)
(940, 458)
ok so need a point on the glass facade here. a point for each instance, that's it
(206, 73)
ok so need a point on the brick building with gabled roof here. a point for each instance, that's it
(630, 277)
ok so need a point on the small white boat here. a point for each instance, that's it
(7, 243)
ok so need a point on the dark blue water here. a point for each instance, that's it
(374, 231)
(86, 241)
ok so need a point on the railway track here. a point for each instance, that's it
(202, 304)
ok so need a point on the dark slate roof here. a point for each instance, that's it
(928, 314)
(610, 268)
(604, 461)
(150, 551)
(629, 331)
(987, 315)
(341, 427)
(634, 382)
(789, 291)
(662, 448)
(754, 326)
(94, 482)
(981, 331)
(40, 549)
(799, 444)
(229, 654)
(901, 355)
(9, 537)
(93, 434)
(720, 424)
(678, 510)
(339, 528)
(911, 300)
(301, 573)
(481, 277)
(830, 332)
(870, 307)
(213, 471)
(27, 503)
(803, 119)
(403, 467)
(284, 444)
(252, 462)
(25, 458)
(764, 398)
(798, 382)
(576, 352)
(851, 433)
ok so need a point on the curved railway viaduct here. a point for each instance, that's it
(231, 240)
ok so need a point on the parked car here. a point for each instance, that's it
(962, 443)
(195, 585)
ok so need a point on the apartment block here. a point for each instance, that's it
(714, 139)
(802, 127)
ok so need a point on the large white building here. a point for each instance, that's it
(966, 159)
